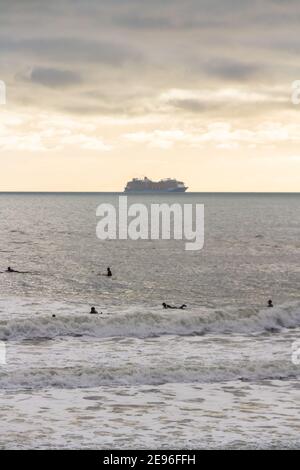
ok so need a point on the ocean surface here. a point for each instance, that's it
(220, 374)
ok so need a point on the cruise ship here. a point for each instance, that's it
(146, 185)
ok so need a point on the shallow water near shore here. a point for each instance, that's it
(218, 375)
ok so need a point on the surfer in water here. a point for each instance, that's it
(270, 303)
(94, 311)
(166, 306)
(107, 274)
(11, 270)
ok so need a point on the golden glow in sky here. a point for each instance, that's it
(99, 92)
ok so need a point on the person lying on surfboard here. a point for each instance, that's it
(166, 306)
(11, 270)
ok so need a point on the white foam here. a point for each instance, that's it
(134, 374)
(141, 323)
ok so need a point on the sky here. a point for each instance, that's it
(101, 91)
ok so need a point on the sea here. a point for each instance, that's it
(221, 374)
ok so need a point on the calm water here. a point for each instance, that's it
(219, 374)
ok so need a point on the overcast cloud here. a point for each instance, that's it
(154, 45)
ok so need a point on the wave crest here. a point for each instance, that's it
(92, 377)
(148, 324)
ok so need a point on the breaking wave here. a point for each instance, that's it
(145, 324)
(133, 374)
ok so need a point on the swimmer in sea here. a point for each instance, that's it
(11, 270)
(107, 274)
(166, 306)
(93, 310)
(270, 303)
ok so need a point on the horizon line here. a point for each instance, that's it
(153, 193)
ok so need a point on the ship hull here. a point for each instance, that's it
(156, 191)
